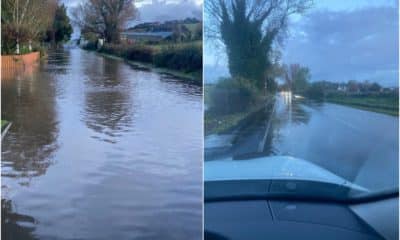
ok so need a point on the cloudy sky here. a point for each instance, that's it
(159, 10)
(340, 40)
(162, 10)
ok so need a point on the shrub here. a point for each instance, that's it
(315, 91)
(232, 95)
(186, 58)
(130, 52)
(90, 46)
(139, 53)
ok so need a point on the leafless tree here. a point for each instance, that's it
(25, 20)
(105, 18)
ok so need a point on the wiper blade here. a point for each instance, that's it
(228, 190)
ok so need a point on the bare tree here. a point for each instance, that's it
(296, 77)
(106, 18)
(248, 29)
(26, 20)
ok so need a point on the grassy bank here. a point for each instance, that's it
(219, 124)
(182, 60)
(230, 103)
(381, 104)
(3, 124)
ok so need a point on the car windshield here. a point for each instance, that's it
(303, 90)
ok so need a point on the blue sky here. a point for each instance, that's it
(338, 41)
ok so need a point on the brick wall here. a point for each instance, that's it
(18, 61)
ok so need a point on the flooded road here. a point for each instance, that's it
(358, 145)
(100, 149)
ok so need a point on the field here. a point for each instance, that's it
(387, 104)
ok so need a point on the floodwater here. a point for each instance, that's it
(99, 149)
(359, 146)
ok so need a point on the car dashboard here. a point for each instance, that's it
(239, 210)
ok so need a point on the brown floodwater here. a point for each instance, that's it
(99, 149)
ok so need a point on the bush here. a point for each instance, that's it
(91, 45)
(315, 91)
(112, 49)
(232, 95)
(130, 52)
(186, 58)
(139, 53)
(41, 49)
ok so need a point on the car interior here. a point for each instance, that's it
(291, 209)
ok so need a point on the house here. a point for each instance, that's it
(133, 36)
(342, 87)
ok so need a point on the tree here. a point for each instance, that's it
(25, 20)
(353, 86)
(198, 31)
(248, 29)
(105, 18)
(61, 29)
(296, 77)
(375, 87)
(316, 91)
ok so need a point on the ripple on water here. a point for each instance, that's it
(114, 153)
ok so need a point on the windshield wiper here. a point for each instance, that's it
(231, 190)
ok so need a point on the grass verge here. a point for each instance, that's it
(219, 124)
(387, 106)
(3, 124)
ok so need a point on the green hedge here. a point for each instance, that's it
(134, 52)
(186, 58)
(232, 95)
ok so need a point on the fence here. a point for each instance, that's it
(19, 61)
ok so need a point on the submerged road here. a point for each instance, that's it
(347, 141)
(100, 149)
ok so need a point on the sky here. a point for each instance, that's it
(338, 41)
(157, 10)
(163, 10)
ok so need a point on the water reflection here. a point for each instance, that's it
(289, 109)
(107, 98)
(64, 127)
(57, 62)
(349, 142)
(18, 226)
(262, 129)
(181, 86)
(28, 102)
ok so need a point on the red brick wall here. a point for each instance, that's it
(17, 61)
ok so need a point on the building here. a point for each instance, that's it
(131, 37)
(342, 87)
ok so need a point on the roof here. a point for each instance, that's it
(148, 34)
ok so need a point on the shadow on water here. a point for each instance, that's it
(29, 102)
(18, 226)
